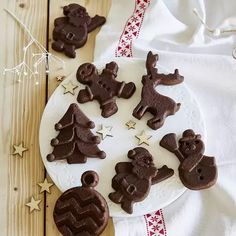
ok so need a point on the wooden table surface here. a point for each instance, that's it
(21, 107)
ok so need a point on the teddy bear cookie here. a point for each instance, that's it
(196, 171)
(158, 105)
(103, 87)
(75, 142)
(71, 31)
(133, 180)
(82, 210)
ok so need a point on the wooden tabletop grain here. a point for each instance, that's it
(21, 107)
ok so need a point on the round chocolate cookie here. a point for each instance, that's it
(82, 211)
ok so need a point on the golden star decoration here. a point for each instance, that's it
(45, 186)
(69, 88)
(105, 131)
(60, 78)
(19, 149)
(130, 124)
(143, 138)
(33, 204)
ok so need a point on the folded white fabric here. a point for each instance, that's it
(168, 25)
(135, 27)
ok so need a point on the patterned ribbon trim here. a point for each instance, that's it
(155, 224)
(132, 29)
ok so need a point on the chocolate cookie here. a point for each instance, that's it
(151, 101)
(133, 179)
(196, 170)
(75, 142)
(81, 211)
(71, 31)
(103, 87)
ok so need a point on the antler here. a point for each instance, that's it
(169, 79)
(151, 63)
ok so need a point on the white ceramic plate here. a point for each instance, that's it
(66, 176)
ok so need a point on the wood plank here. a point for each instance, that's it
(21, 106)
(84, 54)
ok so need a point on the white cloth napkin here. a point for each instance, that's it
(170, 29)
(170, 26)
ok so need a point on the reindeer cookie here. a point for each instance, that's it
(133, 179)
(196, 170)
(151, 101)
(103, 88)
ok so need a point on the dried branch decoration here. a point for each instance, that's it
(23, 69)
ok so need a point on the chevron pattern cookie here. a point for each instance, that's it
(81, 211)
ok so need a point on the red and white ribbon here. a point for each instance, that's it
(155, 224)
(132, 29)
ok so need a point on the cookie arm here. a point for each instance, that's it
(111, 69)
(163, 173)
(60, 21)
(191, 162)
(96, 21)
(124, 167)
(85, 95)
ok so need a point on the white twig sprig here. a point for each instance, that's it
(42, 57)
(216, 32)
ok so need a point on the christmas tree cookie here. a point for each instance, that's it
(75, 142)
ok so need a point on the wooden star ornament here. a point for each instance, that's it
(45, 186)
(19, 149)
(60, 78)
(33, 204)
(69, 88)
(105, 131)
(143, 138)
(130, 124)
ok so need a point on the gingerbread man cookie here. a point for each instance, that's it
(103, 87)
(133, 180)
(196, 170)
(71, 31)
(158, 105)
